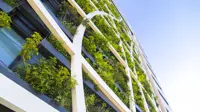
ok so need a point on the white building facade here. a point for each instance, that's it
(73, 55)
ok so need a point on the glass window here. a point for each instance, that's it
(10, 45)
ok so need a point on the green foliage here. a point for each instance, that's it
(5, 20)
(119, 50)
(97, 39)
(89, 44)
(100, 4)
(143, 79)
(58, 46)
(113, 9)
(94, 103)
(30, 47)
(85, 5)
(109, 33)
(85, 22)
(87, 78)
(74, 15)
(69, 17)
(122, 29)
(70, 27)
(11, 2)
(106, 30)
(136, 58)
(109, 20)
(51, 79)
(138, 95)
(131, 63)
(47, 76)
(107, 66)
(152, 108)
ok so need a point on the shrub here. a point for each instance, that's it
(11, 2)
(46, 76)
(66, 9)
(94, 103)
(58, 46)
(30, 47)
(5, 20)
(70, 27)
(138, 95)
(143, 79)
(86, 5)
(152, 108)
(106, 65)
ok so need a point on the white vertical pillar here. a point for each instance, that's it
(78, 98)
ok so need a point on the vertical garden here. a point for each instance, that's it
(103, 46)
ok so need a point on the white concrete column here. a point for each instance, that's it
(78, 98)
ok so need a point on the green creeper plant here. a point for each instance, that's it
(143, 79)
(30, 48)
(152, 108)
(51, 79)
(113, 9)
(70, 27)
(94, 103)
(138, 95)
(46, 76)
(109, 33)
(85, 5)
(106, 65)
(136, 57)
(74, 15)
(58, 46)
(100, 4)
(5, 20)
(11, 2)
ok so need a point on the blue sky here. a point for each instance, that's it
(169, 31)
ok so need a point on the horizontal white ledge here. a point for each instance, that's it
(19, 99)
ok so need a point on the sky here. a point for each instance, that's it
(169, 32)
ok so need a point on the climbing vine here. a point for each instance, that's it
(69, 17)
(46, 76)
(85, 5)
(131, 63)
(143, 79)
(106, 65)
(12, 2)
(109, 33)
(152, 108)
(58, 46)
(100, 4)
(30, 48)
(94, 103)
(67, 11)
(138, 95)
(5, 20)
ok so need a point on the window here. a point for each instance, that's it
(10, 45)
